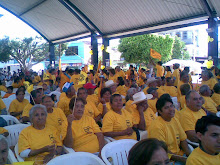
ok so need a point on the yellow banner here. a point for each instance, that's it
(82, 78)
(155, 54)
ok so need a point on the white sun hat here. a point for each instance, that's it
(140, 96)
(109, 83)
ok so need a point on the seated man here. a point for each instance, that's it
(190, 115)
(9, 92)
(208, 132)
(90, 107)
(68, 92)
(169, 88)
(209, 104)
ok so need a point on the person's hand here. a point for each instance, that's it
(102, 100)
(50, 148)
(129, 131)
(70, 118)
(47, 158)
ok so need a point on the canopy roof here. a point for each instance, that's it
(64, 20)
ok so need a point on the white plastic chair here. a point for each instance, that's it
(117, 152)
(143, 135)
(19, 158)
(7, 102)
(14, 131)
(192, 143)
(108, 139)
(82, 158)
(12, 97)
(11, 157)
(11, 120)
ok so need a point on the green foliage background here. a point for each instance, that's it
(137, 49)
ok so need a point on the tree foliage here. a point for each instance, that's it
(137, 49)
(179, 49)
(27, 52)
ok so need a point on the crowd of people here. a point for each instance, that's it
(65, 108)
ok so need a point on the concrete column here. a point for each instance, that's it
(105, 55)
(213, 33)
(94, 45)
(52, 53)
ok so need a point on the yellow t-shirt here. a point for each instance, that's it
(216, 98)
(169, 74)
(58, 120)
(27, 109)
(152, 104)
(211, 83)
(17, 106)
(141, 80)
(64, 104)
(170, 132)
(100, 107)
(171, 90)
(188, 118)
(210, 105)
(178, 89)
(121, 90)
(83, 132)
(176, 74)
(114, 122)
(145, 90)
(199, 157)
(75, 78)
(160, 70)
(3, 130)
(91, 110)
(129, 106)
(93, 98)
(121, 73)
(2, 105)
(36, 79)
(149, 116)
(183, 101)
(3, 88)
(160, 91)
(113, 78)
(31, 138)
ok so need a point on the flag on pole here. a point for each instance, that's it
(99, 66)
(30, 88)
(46, 76)
(60, 64)
(155, 54)
(82, 78)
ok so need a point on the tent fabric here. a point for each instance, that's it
(65, 20)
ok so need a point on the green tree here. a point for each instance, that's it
(28, 51)
(137, 49)
(179, 49)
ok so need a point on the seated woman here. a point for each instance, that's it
(104, 105)
(39, 142)
(129, 100)
(55, 117)
(17, 105)
(3, 150)
(83, 134)
(148, 152)
(168, 129)
(35, 98)
(118, 123)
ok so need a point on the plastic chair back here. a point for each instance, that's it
(11, 120)
(19, 158)
(7, 102)
(82, 158)
(117, 152)
(14, 131)
(11, 157)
